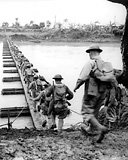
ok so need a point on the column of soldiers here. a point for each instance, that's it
(44, 93)
(35, 84)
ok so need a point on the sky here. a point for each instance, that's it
(75, 11)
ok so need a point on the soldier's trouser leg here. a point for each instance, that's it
(60, 125)
(49, 122)
(96, 124)
(52, 121)
(34, 103)
(50, 109)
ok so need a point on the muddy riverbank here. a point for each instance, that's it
(30, 144)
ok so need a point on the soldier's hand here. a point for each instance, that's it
(31, 98)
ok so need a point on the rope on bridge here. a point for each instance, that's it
(75, 112)
(10, 123)
(18, 114)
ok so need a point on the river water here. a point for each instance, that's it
(65, 59)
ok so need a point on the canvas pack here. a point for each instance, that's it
(104, 71)
(59, 91)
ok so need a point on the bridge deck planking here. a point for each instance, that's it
(37, 117)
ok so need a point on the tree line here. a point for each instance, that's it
(81, 30)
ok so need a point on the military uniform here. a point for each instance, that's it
(58, 107)
(91, 102)
(94, 92)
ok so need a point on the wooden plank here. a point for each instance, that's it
(9, 65)
(14, 111)
(8, 61)
(10, 71)
(6, 55)
(13, 108)
(10, 91)
(37, 117)
(9, 57)
(14, 114)
(11, 79)
(6, 50)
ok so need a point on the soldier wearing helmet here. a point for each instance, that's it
(28, 73)
(57, 76)
(58, 107)
(43, 104)
(93, 97)
(33, 89)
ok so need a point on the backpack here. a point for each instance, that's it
(39, 85)
(104, 71)
(59, 91)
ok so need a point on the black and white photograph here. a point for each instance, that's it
(64, 79)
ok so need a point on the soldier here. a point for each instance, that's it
(59, 106)
(94, 94)
(33, 90)
(43, 104)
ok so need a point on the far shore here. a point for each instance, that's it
(58, 39)
(60, 43)
(25, 39)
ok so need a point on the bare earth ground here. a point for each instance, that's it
(30, 144)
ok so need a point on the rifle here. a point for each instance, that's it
(68, 103)
(53, 93)
(53, 100)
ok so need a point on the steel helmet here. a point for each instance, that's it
(28, 65)
(46, 84)
(35, 76)
(94, 48)
(57, 76)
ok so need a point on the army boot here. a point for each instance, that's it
(103, 130)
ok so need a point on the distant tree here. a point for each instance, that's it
(124, 45)
(97, 22)
(48, 24)
(5, 25)
(16, 19)
(13, 25)
(58, 25)
(27, 26)
(42, 25)
(17, 24)
(111, 26)
(31, 23)
(65, 22)
(35, 26)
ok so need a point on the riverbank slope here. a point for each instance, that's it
(30, 144)
(57, 36)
